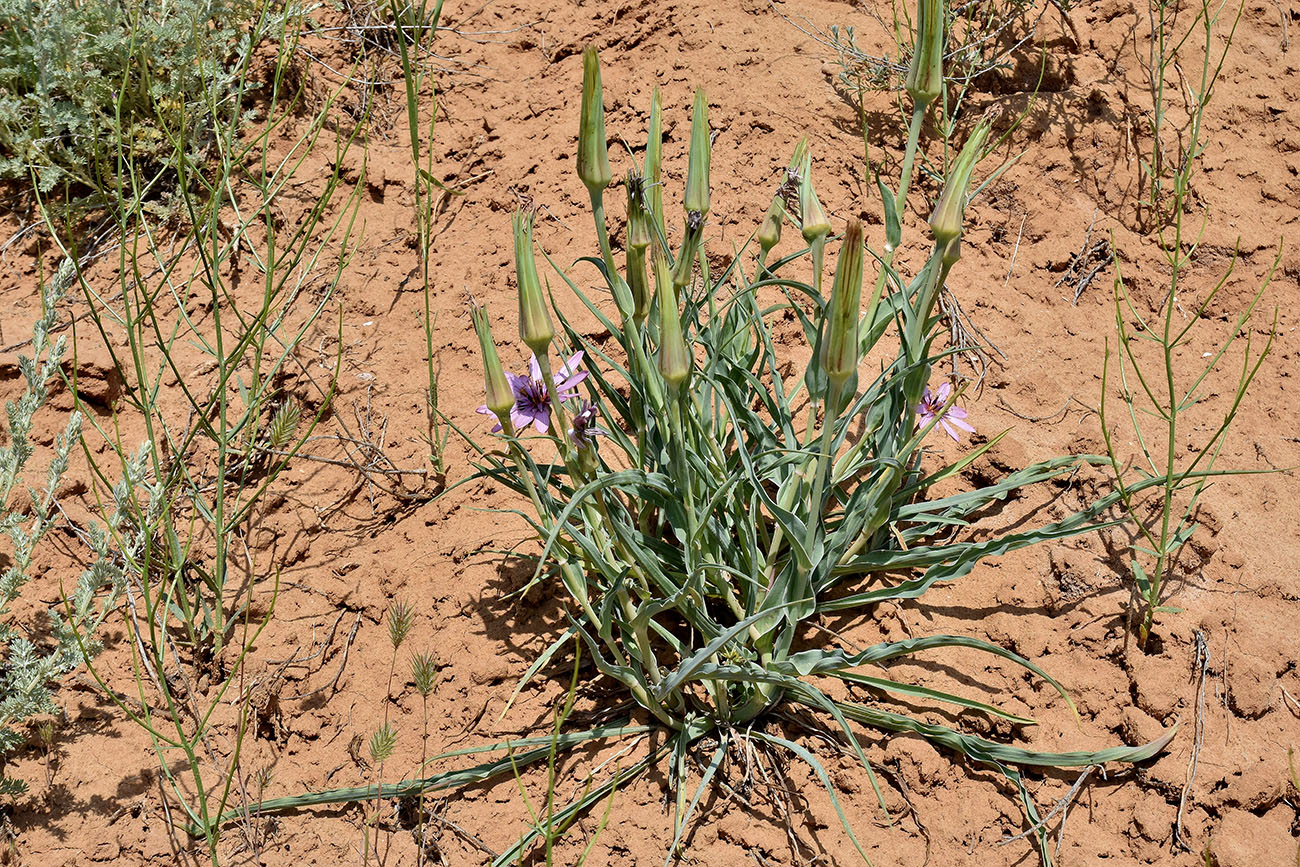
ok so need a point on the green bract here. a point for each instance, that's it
(535, 327)
(500, 397)
(949, 215)
(925, 74)
(593, 152)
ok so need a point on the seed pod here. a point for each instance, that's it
(925, 76)
(674, 357)
(500, 397)
(593, 151)
(840, 346)
(947, 220)
(697, 170)
(815, 223)
(535, 327)
(769, 233)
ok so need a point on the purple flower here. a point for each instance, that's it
(532, 397)
(584, 430)
(932, 405)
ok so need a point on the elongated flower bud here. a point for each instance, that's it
(638, 284)
(925, 76)
(654, 154)
(500, 397)
(949, 214)
(769, 233)
(674, 357)
(697, 170)
(593, 152)
(800, 151)
(686, 256)
(535, 327)
(639, 231)
(815, 223)
(840, 343)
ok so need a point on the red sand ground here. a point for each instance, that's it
(509, 119)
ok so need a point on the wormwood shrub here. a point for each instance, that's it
(981, 37)
(701, 507)
(28, 670)
(81, 78)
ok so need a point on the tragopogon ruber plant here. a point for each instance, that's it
(700, 505)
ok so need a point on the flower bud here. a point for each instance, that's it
(815, 223)
(654, 150)
(947, 220)
(925, 76)
(674, 357)
(638, 284)
(593, 152)
(769, 233)
(686, 256)
(840, 344)
(639, 231)
(535, 327)
(697, 170)
(800, 151)
(500, 397)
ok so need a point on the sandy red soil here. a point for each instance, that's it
(507, 132)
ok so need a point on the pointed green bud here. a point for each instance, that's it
(593, 151)
(800, 151)
(638, 283)
(639, 219)
(674, 357)
(815, 223)
(697, 170)
(684, 269)
(654, 156)
(769, 233)
(840, 345)
(947, 220)
(535, 327)
(639, 235)
(925, 76)
(500, 397)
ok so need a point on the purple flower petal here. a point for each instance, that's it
(932, 405)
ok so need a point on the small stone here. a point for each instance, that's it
(921, 763)
(1153, 817)
(1158, 681)
(108, 850)
(1251, 684)
(1250, 786)
(1246, 840)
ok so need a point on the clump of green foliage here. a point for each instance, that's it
(80, 79)
(701, 505)
(27, 670)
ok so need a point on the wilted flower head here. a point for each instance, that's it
(932, 405)
(584, 429)
(533, 398)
